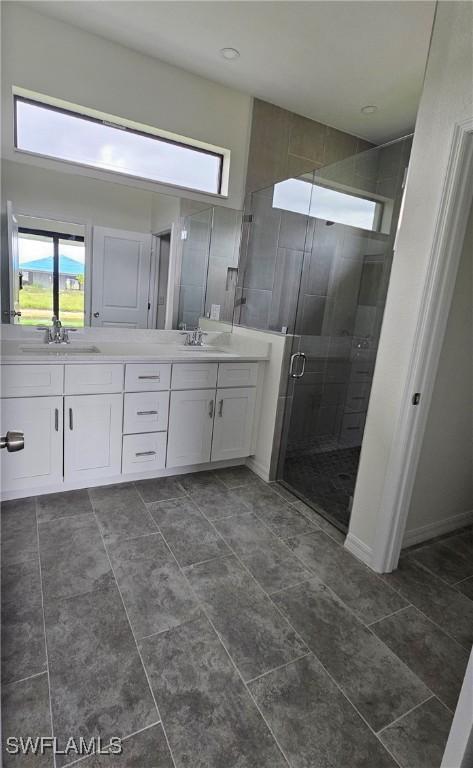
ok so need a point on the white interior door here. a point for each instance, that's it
(13, 264)
(190, 427)
(121, 263)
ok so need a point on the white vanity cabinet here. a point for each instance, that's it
(191, 417)
(92, 436)
(234, 413)
(40, 462)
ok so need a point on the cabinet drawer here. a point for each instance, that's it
(237, 374)
(144, 453)
(93, 379)
(146, 412)
(31, 380)
(140, 377)
(194, 375)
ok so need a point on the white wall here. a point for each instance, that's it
(59, 60)
(443, 490)
(447, 98)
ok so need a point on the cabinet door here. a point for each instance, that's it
(92, 436)
(191, 417)
(40, 463)
(233, 423)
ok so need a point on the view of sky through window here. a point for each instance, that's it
(321, 202)
(71, 137)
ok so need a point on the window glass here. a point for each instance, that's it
(67, 136)
(321, 202)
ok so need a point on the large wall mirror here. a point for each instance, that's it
(101, 253)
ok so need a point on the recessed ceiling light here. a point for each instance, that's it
(369, 109)
(230, 53)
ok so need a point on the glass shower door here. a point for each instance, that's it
(353, 212)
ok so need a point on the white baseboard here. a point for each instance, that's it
(431, 530)
(359, 549)
(259, 469)
(113, 480)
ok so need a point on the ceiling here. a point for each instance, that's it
(324, 60)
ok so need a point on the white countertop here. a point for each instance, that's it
(13, 351)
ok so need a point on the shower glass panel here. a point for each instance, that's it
(315, 262)
(352, 210)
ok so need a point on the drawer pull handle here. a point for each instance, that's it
(358, 398)
(220, 407)
(351, 429)
(146, 413)
(364, 373)
(56, 419)
(71, 420)
(146, 453)
(158, 377)
(211, 409)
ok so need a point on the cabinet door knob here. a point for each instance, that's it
(71, 420)
(220, 407)
(96, 314)
(211, 409)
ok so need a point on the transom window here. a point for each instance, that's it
(63, 134)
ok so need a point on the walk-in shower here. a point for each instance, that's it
(315, 263)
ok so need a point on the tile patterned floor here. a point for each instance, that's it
(213, 621)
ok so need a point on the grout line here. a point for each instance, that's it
(281, 666)
(412, 709)
(394, 613)
(44, 625)
(461, 581)
(204, 611)
(24, 679)
(137, 647)
(125, 738)
(311, 577)
(65, 517)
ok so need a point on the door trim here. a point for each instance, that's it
(430, 332)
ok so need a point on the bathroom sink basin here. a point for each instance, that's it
(60, 350)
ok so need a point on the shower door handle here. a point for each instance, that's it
(292, 372)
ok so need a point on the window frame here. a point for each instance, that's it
(114, 123)
(55, 237)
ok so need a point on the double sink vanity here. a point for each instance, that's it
(99, 411)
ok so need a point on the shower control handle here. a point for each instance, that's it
(301, 371)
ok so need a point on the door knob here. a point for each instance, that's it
(13, 441)
(96, 314)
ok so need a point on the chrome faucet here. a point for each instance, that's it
(57, 333)
(194, 338)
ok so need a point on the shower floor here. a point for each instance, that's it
(326, 479)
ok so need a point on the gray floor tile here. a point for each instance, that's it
(268, 558)
(444, 561)
(445, 606)
(255, 634)
(25, 713)
(18, 531)
(235, 477)
(55, 505)
(188, 533)
(155, 593)
(466, 587)
(216, 503)
(320, 522)
(98, 685)
(209, 717)
(23, 647)
(439, 661)
(313, 722)
(198, 481)
(121, 512)
(380, 686)
(359, 588)
(147, 749)
(73, 557)
(280, 516)
(20, 579)
(160, 488)
(283, 492)
(418, 740)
